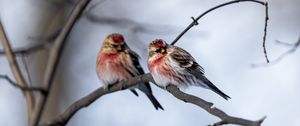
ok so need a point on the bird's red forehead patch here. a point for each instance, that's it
(159, 43)
(118, 38)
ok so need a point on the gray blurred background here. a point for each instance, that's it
(226, 42)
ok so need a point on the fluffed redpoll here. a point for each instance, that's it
(117, 62)
(170, 64)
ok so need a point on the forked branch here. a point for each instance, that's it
(23, 88)
(16, 71)
(54, 58)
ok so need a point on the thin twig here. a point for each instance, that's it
(23, 88)
(265, 31)
(195, 21)
(63, 118)
(16, 71)
(44, 43)
(26, 69)
(29, 50)
(278, 59)
(54, 58)
(284, 43)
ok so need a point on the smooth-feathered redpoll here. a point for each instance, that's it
(117, 62)
(170, 64)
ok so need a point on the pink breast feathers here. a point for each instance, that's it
(156, 62)
(105, 57)
(111, 69)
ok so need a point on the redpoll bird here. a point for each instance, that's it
(117, 62)
(173, 65)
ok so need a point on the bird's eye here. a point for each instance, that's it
(122, 46)
(113, 46)
(158, 50)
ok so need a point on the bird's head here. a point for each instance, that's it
(113, 43)
(157, 48)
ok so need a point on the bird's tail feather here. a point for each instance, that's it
(216, 90)
(134, 92)
(155, 103)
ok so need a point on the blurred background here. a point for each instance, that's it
(226, 43)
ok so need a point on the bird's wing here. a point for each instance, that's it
(146, 86)
(185, 60)
(135, 60)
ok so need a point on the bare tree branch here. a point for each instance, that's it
(54, 58)
(24, 61)
(265, 31)
(89, 99)
(23, 88)
(92, 97)
(44, 43)
(278, 59)
(225, 118)
(29, 50)
(16, 71)
(195, 21)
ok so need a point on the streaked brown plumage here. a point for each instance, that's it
(173, 65)
(117, 62)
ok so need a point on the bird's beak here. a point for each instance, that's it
(119, 48)
(162, 50)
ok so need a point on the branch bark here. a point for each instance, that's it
(265, 31)
(89, 99)
(54, 58)
(92, 97)
(29, 50)
(45, 42)
(207, 106)
(23, 88)
(16, 71)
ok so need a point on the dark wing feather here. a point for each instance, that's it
(145, 88)
(135, 60)
(185, 60)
